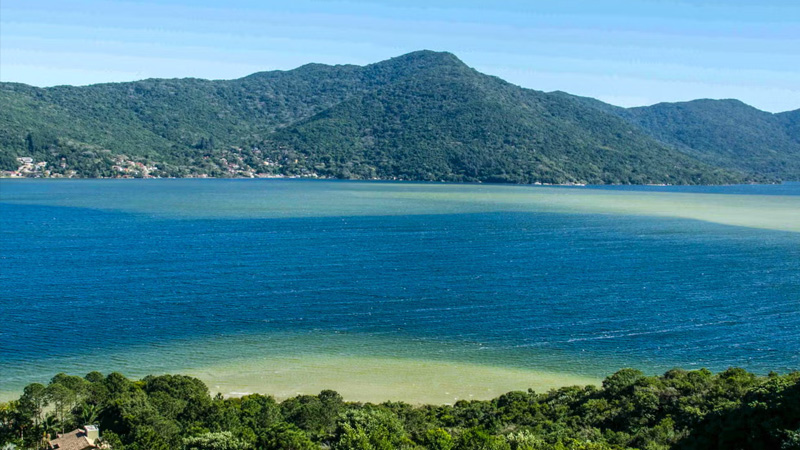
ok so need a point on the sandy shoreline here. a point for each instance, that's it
(370, 379)
(361, 368)
(378, 379)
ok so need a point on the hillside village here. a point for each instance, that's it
(28, 168)
(123, 167)
(226, 164)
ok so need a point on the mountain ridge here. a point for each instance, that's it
(420, 116)
(727, 133)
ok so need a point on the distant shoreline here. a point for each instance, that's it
(391, 180)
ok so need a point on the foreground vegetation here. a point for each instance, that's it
(681, 409)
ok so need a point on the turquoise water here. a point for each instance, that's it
(170, 275)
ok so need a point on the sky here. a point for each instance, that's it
(625, 52)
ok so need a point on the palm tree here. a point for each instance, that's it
(49, 427)
(89, 413)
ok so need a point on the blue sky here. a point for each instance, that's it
(624, 52)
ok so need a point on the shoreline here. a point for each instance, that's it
(366, 379)
(360, 368)
(404, 181)
(379, 379)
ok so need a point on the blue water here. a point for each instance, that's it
(594, 291)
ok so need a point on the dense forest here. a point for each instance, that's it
(421, 116)
(724, 133)
(697, 409)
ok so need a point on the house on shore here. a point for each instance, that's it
(85, 438)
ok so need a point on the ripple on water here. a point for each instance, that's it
(523, 284)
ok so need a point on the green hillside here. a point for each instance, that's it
(727, 133)
(420, 116)
(723, 133)
(791, 122)
(174, 123)
(449, 122)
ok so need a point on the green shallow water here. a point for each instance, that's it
(375, 368)
(283, 199)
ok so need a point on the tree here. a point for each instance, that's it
(12, 422)
(33, 401)
(259, 412)
(285, 436)
(94, 377)
(50, 426)
(30, 145)
(88, 414)
(63, 400)
(621, 380)
(524, 440)
(369, 429)
(438, 439)
(214, 441)
(316, 415)
(478, 439)
(117, 384)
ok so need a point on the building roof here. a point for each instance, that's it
(74, 440)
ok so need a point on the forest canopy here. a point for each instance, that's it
(681, 409)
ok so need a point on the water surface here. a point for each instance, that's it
(423, 292)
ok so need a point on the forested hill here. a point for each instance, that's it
(450, 122)
(724, 133)
(420, 116)
(791, 121)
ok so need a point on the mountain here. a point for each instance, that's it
(791, 122)
(724, 133)
(176, 123)
(450, 122)
(420, 116)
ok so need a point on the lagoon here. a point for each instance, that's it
(405, 291)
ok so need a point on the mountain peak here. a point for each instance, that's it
(430, 55)
(424, 58)
(704, 103)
